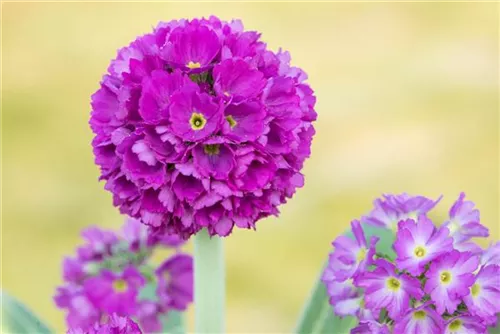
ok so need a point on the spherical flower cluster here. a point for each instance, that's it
(436, 280)
(113, 324)
(198, 125)
(112, 274)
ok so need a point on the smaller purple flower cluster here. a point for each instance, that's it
(438, 282)
(112, 274)
(113, 324)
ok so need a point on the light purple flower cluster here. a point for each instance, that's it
(114, 324)
(436, 281)
(112, 274)
(198, 125)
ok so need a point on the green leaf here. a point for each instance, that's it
(18, 319)
(173, 321)
(317, 315)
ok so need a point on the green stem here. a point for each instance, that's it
(209, 284)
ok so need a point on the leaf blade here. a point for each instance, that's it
(17, 318)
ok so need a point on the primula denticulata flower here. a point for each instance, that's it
(440, 281)
(198, 125)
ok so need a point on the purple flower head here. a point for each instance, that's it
(391, 209)
(115, 293)
(449, 278)
(464, 221)
(484, 295)
(198, 125)
(370, 327)
(385, 288)
(115, 324)
(351, 256)
(420, 320)
(418, 243)
(465, 324)
(175, 281)
(491, 255)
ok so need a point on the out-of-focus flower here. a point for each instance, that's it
(175, 281)
(122, 280)
(449, 279)
(198, 125)
(385, 288)
(418, 243)
(114, 325)
(99, 243)
(114, 293)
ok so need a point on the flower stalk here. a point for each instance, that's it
(209, 283)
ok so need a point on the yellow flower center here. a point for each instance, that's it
(193, 65)
(412, 215)
(455, 325)
(232, 122)
(362, 303)
(393, 284)
(453, 227)
(211, 149)
(419, 315)
(197, 121)
(420, 251)
(445, 277)
(475, 290)
(120, 285)
(361, 254)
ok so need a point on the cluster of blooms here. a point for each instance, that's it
(198, 125)
(111, 273)
(113, 324)
(436, 281)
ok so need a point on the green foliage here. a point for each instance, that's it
(18, 319)
(318, 316)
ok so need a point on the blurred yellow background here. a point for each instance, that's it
(407, 101)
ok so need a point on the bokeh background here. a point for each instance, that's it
(407, 101)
